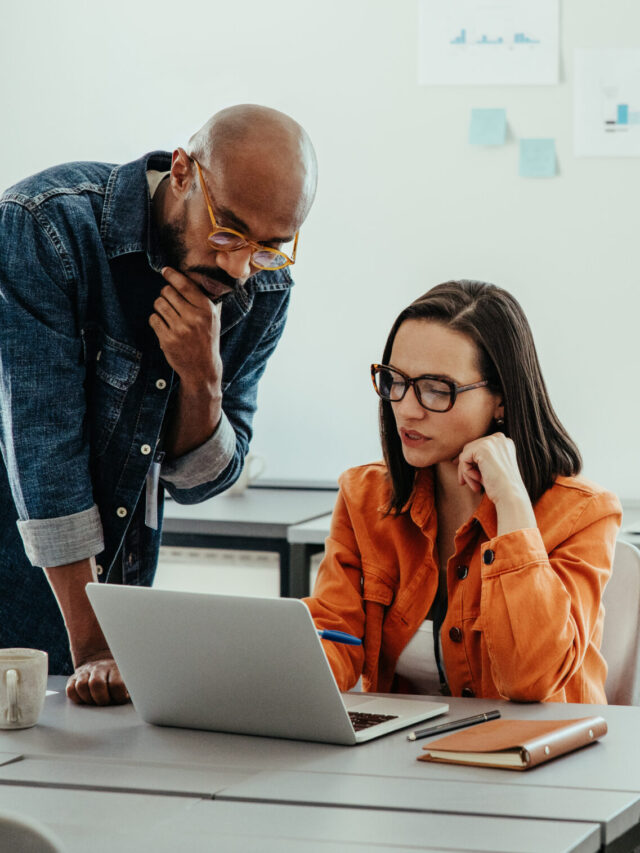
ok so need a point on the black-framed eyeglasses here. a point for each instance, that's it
(432, 392)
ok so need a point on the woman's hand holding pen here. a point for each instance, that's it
(490, 462)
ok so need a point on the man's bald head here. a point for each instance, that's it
(262, 156)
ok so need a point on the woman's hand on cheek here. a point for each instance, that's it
(491, 463)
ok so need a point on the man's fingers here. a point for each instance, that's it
(117, 690)
(78, 689)
(157, 324)
(97, 683)
(167, 305)
(173, 298)
(99, 687)
(173, 276)
(72, 693)
(193, 307)
(184, 286)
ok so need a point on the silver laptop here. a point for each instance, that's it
(252, 666)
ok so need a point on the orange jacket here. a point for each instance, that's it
(523, 623)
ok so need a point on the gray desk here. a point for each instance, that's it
(616, 812)
(305, 828)
(108, 822)
(258, 520)
(296, 795)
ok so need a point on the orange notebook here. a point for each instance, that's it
(515, 744)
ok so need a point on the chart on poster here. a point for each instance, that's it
(607, 102)
(488, 42)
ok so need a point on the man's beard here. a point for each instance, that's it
(172, 244)
(174, 252)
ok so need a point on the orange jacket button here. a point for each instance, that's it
(488, 557)
(455, 634)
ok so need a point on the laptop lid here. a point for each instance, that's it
(229, 663)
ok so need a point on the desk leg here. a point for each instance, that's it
(285, 571)
(299, 564)
(298, 561)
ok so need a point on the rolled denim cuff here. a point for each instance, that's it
(56, 541)
(206, 462)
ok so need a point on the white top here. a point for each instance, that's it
(417, 663)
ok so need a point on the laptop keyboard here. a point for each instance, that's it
(360, 720)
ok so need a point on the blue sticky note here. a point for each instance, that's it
(537, 158)
(488, 127)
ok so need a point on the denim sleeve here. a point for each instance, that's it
(43, 436)
(222, 456)
(206, 462)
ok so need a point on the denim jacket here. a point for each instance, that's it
(84, 387)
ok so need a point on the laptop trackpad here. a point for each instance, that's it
(358, 701)
(399, 705)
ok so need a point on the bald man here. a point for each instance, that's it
(139, 305)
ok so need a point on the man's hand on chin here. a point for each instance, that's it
(97, 682)
(187, 325)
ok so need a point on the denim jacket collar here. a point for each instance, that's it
(126, 224)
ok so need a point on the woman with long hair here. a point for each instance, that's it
(472, 561)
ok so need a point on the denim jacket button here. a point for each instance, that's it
(121, 512)
(161, 384)
(99, 570)
(145, 449)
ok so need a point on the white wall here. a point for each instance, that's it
(404, 202)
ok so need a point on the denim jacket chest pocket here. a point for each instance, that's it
(111, 369)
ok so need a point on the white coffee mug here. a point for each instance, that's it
(23, 687)
(254, 465)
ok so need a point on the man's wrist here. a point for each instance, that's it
(68, 584)
(195, 418)
(201, 388)
(89, 654)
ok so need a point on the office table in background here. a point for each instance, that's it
(293, 522)
(305, 540)
(258, 519)
(630, 530)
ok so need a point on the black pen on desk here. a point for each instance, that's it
(453, 725)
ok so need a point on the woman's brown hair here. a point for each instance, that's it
(495, 322)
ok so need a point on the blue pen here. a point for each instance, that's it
(340, 637)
